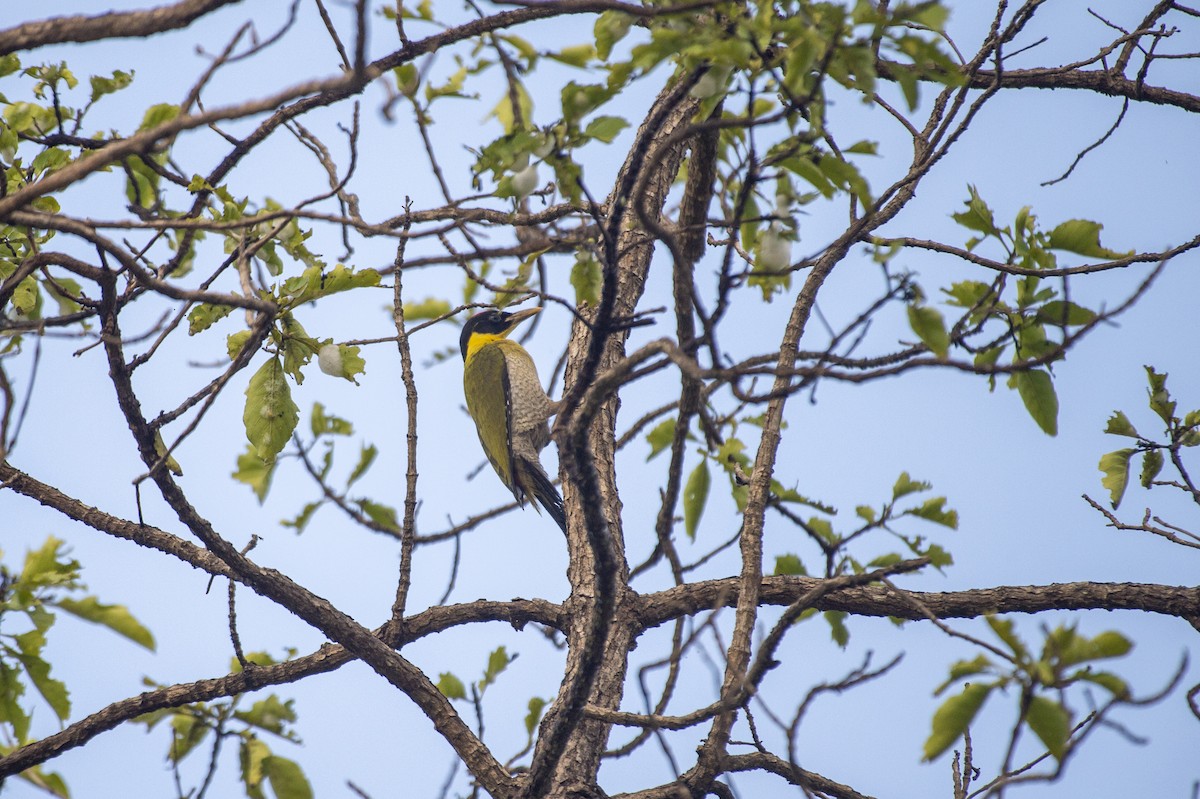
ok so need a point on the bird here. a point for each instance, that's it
(511, 410)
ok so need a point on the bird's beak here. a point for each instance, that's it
(518, 317)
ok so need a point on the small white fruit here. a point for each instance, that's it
(774, 250)
(525, 181)
(329, 358)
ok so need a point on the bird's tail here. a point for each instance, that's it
(538, 485)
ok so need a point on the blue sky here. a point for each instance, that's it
(1017, 490)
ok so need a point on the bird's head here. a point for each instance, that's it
(489, 326)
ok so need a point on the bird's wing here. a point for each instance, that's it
(485, 377)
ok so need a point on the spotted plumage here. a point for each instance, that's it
(511, 410)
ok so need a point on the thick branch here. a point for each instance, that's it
(518, 613)
(115, 24)
(271, 584)
(1100, 81)
(140, 534)
(1180, 601)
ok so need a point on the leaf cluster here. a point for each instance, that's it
(196, 723)
(49, 580)
(1066, 659)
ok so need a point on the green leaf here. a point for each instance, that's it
(1191, 420)
(158, 114)
(102, 86)
(450, 686)
(503, 110)
(254, 472)
(287, 778)
(187, 732)
(695, 495)
(939, 558)
(328, 424)
(1160, 400)
(864, 147)
(271, 714)
(953, 717)
(1109, 644)
(1005, 630)
(579, 100)
(160, 448)
(11, 712)
(906, 485)
(48, 781)
(866, 513)
(115, 617)
(47, 566)
(428, 308)
(845, 175)
(253, 754)
(536, 706)
(610, 28)
(518, 283)
(497, 662)
(205, 315)
(451, 88)
(790, 565)
(408, 79)
(935, 510)
(1152, 463)
(50, 160)
(576, 55)
(930, 327)
(258, 658)
(315, 282)
(38, 671)
(301, 520)
(270, 415)
(885, 560)
(837, 627)
(1081, 237)
(142, 183)
(805, 169)
(1059, 312)
(1051, 723)
(978, 215)
(23, 117)
(341, 360)
(64, 290)
(1119, 425)
(605, 128)
(587, 278)
(298, 347)
(1106, 680)
(235, 341)
(1115, 466)
(383, 515)
(968, 293)
(965, 668)
(365, 458)
(9, 63)
(931, 15)
(733, 451)
(1037, 392)
(26, 298)
(783, 494)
